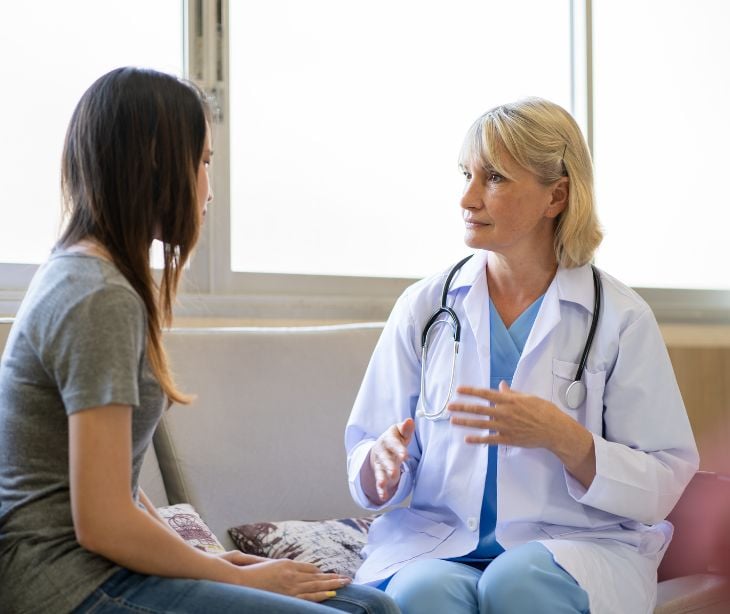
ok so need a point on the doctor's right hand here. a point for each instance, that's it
(385, 460)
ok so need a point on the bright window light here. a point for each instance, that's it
(661, 83)
(51, 52)
(347, 119)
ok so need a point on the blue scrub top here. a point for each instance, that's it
(506, 345)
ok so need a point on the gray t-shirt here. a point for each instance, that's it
(78, 341)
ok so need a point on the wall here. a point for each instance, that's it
(701, 359)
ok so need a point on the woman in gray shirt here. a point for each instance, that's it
(84, 379)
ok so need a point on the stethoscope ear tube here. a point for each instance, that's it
(576, 392)
(424, 412)
(447, 283)
(453, 320)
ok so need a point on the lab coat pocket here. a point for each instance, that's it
(402, 535)
(555, 531)
(590, 412)
(611, 531)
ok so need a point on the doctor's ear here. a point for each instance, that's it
(560, 193)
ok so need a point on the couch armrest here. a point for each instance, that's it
(150, 479)
(698, 593)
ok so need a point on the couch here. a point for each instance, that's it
(263, 442)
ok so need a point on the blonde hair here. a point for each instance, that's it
(543, 138)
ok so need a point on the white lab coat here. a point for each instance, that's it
(610, 537)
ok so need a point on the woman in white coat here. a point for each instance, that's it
(524, 493)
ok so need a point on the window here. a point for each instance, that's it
(661, 80)
(50, 54)
(346, 120)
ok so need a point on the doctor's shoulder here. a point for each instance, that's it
(623, 306)
(423, 297)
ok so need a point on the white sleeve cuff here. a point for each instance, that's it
(588, 496)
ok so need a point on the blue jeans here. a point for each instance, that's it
(521, 580)
(127, 592)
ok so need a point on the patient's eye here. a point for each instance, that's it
(494, 177)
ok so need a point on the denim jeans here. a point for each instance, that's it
(127, 592)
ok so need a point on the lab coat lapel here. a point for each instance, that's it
(476, 308)
(547, 319)
(470, 461)
(572, 285)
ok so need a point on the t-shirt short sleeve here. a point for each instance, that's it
(95, 354)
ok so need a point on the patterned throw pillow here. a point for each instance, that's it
(190, 526)
(331, 545)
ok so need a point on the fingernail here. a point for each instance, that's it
(331, 593)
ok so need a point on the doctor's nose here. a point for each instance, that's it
(472, 197)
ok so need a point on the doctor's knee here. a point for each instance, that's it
(434, 586)
(527, 575)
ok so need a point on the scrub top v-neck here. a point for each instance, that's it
(505, 349)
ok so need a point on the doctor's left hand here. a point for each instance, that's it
(511, 417)
(516, 419)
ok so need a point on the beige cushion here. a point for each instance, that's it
(264, 439)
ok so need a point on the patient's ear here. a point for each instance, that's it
(561, 191)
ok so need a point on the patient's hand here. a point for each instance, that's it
(292, 578)
(381, 474)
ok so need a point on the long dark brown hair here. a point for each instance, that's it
(129, 175)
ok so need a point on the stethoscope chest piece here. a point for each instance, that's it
(575, 394)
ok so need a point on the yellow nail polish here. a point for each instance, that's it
(331, 593)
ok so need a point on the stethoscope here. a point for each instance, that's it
(575, 393)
